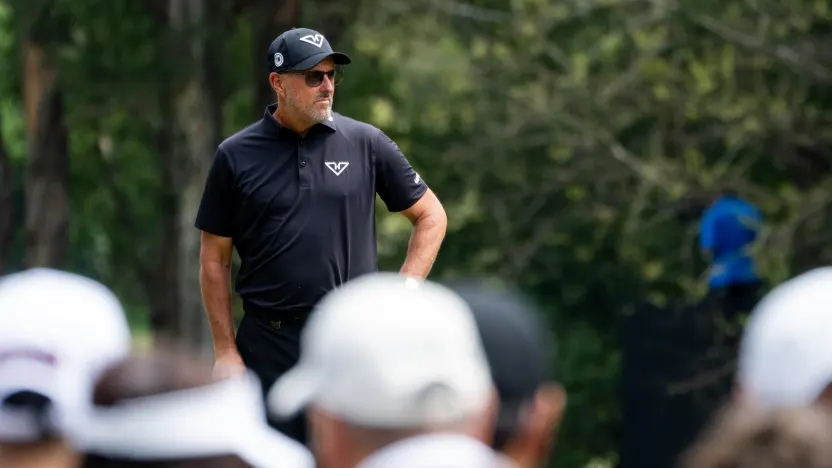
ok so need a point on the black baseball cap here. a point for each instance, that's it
(301, 49)
(518, 345)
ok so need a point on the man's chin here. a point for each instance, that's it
(320, 117)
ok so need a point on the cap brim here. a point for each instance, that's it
(267, 448)
(19, 424)
(293, 391)
(338, 57)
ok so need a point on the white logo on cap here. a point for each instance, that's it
(316, 40)
(278, 59)
(336, 167)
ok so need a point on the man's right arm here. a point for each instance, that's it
(215, 219)
(215, 284)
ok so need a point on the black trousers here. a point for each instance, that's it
(270, 345)
(736, 300)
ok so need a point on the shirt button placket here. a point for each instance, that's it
(303, 168)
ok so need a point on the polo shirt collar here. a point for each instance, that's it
(273, 125)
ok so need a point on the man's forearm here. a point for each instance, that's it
(428, 233)
(215, 283)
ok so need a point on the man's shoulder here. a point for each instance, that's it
(723, 206)
(241, 138)
(353, 127)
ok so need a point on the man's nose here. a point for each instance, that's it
(327, 84)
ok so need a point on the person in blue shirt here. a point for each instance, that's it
(726, 232)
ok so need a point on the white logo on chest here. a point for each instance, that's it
(336, 167)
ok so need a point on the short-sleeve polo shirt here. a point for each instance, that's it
(301, 210)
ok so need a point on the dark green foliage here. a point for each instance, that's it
(573, 143)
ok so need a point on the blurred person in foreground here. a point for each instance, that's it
(165, 409)
(295, 194)
(786, 350)
(520, 354)
(393, 377)
(746, 437)
(58, 332)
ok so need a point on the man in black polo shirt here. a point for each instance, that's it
(295, 194)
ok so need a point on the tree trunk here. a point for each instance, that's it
(6, 205)
(163, 285)
(197, 134)
(269, 18)
(47, 175)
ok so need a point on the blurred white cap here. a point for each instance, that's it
(380, 353)
(58, 332)
(786, 353)
(224, 418)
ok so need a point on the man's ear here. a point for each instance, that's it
(545, 417)
(275, 83)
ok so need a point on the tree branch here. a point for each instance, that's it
(785, 54)
(6, 206)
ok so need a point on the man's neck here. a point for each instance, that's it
(292, 122)
(53, 454)
(431, 445)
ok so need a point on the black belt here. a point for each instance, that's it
(279, 317)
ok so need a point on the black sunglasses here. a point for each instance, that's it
(314, 78)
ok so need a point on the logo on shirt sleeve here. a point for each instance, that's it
(336, 167)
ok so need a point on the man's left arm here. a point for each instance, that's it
(429, 223)
(404, 191)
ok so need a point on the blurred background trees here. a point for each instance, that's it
(574, 144)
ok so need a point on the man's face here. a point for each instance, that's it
(313, 103)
